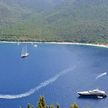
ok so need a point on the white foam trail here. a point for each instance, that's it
(41, 85)
(101, 75)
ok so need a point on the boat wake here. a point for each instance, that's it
(41, 85)
(101, 75)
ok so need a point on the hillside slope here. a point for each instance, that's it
(54, 20)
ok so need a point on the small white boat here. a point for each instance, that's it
(94, 93)
(24, 55)
(24, 52)
(35, 45)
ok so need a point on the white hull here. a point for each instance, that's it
(24, 55)
(93, 93)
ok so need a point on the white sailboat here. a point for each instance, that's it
(24, 52)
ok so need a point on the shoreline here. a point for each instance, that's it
(59, 43)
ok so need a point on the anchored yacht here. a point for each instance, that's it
(94, 93)
(24, 52)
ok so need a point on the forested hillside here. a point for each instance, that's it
(54, 20)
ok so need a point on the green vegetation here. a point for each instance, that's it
(30, 106)
(42, 104)
(74, 106)
(83, 21)
(58, 106)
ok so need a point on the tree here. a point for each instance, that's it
(58, 106)
(29, 106)
(42, 103)
(52, 106)
(74, 106)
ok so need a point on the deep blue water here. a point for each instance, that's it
(57, 72)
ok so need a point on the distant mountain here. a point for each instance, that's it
(54, 20)
(10, 9)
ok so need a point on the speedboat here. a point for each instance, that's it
(93, 93)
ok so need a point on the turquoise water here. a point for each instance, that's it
(56, 71)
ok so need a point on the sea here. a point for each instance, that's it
(55, 71)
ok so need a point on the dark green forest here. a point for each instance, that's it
(84, 21)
